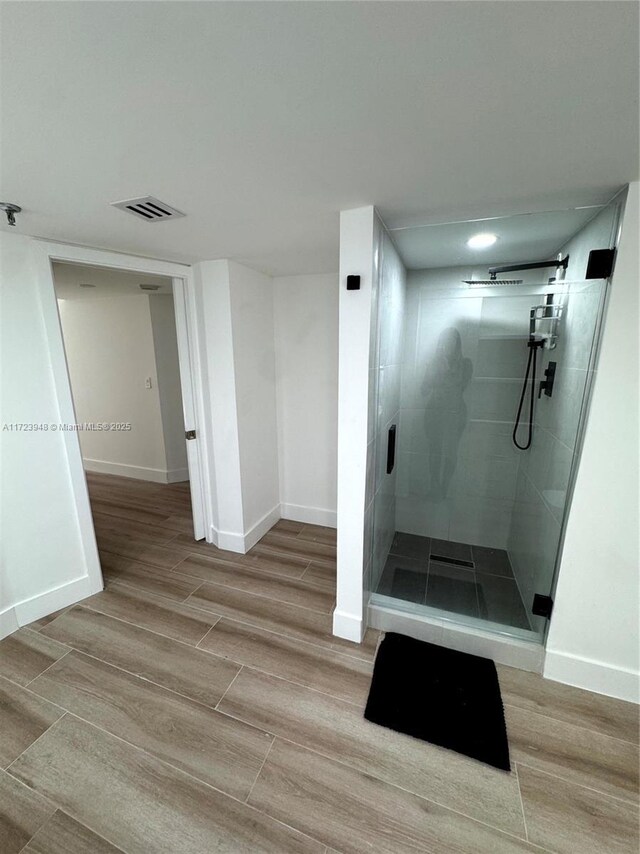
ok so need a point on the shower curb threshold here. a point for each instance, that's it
(524, 655)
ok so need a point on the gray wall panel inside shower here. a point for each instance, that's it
(456, 464)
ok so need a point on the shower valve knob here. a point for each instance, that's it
(546, 385)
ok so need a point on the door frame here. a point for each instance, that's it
(190, 357)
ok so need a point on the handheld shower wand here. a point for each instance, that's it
(533, 344)
(537, 342)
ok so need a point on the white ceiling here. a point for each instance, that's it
(527, 237)
(68, 279)
(263, 120)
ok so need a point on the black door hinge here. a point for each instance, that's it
(600, 263)
(542, 605)
(190, 434)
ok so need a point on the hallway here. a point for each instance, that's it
(201, 703)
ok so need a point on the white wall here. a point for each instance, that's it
(43, 565)
(165, 345)
(112, 348)
(593, 637)
(357, 317)
(235, 308)
(272, 391)
(213, 308)
(255, 383)
(109, 348)
(306, 345)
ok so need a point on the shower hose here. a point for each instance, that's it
(531, 369)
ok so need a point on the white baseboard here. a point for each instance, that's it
(257, 531)
(53, 600)
(241, 543)
(347, 626)
(177, 475)
(231, 542)
(137, 472)
(592, 675)
(309, 515)
(8, 622)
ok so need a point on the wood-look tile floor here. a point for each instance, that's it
(201, 704)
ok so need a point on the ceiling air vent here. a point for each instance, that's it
(148, 209)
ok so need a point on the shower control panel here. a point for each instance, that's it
(546, 385)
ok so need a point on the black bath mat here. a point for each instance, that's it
(449, 698)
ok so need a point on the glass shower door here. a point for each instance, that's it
(479, 521)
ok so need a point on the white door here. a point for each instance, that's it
(187, 356)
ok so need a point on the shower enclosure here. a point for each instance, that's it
(467, 523)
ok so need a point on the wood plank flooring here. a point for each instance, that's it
(201, 704)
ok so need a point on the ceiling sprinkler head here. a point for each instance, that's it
(11, 210)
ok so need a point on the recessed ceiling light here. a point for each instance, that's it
(481, 241)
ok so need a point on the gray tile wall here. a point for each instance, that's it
(457, 469)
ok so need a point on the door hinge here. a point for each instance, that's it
(600, 263)
(190, 434)
(542, 605)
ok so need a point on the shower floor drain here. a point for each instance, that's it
(469, 564)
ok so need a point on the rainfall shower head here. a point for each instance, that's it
(491, 283)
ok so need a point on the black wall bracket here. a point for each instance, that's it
(532, 265)
(353, 283)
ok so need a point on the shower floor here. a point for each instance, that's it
(459, 577)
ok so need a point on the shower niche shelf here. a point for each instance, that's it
(543, 323)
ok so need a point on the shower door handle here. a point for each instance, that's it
(391, 449)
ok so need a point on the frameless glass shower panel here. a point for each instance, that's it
(478, 521)
(545, 471)
(385, 387)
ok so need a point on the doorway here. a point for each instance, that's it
(188, 481)
(119, 331)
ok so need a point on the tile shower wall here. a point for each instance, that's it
(462, 366)
(544, 470)
(384, 396)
